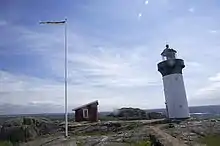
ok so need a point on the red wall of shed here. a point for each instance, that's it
(92, 111)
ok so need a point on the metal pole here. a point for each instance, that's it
(66, 76)
(65, 70)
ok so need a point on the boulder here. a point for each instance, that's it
(26, 128)
(18, 133)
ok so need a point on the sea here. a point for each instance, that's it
(209, 111)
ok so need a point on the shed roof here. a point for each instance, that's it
(82, 106)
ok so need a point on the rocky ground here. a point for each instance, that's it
(115, 133)
(24, 129)
(127, 129)
(121, 133)
(110, 133)
(192, 131)
(29, 131)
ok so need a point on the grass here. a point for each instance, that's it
(140, 143)
(212, 140)
(143, 143)
(5, 143)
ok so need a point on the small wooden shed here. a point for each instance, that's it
(87, 112)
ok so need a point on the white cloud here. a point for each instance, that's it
(146, 2)
(23, 90)
(213, 31)
(215, 78)
(210, 90)
(107, 74)
(139, 15)
(191, 10)
(193, 64)
(108, 69)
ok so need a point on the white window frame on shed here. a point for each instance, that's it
(85, 113)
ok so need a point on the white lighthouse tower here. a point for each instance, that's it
(174, 89)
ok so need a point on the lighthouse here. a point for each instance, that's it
(175, 95)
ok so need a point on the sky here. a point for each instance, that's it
(113, 50)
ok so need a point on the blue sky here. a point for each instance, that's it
(113, 49)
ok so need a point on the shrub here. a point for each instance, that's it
(5, 143)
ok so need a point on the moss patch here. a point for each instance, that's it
(142, 143)
(5, 143)
(212, 140)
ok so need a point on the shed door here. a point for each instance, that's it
(85, 113)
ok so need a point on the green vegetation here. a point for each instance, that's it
(141, 143)
(212, 140)
(79, 143)
(5, 143)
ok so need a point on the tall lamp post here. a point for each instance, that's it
(66, 68)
